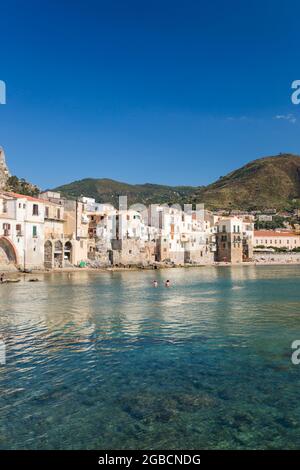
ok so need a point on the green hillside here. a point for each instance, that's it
(107, 190)
(269, 182)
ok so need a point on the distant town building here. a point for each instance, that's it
(276, 239)
(265, 218)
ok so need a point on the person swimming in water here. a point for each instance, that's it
(155, 283)
(167, 283)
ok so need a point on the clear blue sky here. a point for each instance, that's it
(174, 92)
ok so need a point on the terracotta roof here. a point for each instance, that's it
(274, 233)
(22, 196)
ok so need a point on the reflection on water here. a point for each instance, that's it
(104, 360)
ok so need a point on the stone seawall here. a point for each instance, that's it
(279, 258)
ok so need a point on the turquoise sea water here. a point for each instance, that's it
(104, 360)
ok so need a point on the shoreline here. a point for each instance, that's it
(70, 270)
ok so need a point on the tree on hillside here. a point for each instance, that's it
(21, 186)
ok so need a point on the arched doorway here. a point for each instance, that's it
(48, 255)
(58, 254)
(68, 252)
(8, 253)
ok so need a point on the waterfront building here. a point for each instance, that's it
(133, 241)
(76, 225)
(276, 239)
(101, 223)
(120, 237)
(22, 230)
(183, 236)
(54, 232)
(57, 250)
(234, 237)
(71, 246)
(229, 240)
(248, 230)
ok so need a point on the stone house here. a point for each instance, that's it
(22, 230)
(229, 238)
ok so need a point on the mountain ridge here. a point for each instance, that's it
(267, 182)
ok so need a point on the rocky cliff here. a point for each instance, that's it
(4, 172)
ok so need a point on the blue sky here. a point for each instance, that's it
(173, 92)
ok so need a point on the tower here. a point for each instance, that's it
(4, 172)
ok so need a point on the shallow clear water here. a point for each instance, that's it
(104, 360)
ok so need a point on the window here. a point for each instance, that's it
(58, 213)
(19, 230)
(35, 209)
(47, 212)
(6, 230)
(4, 207)
(34, 231)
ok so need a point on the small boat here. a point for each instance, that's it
(10, 281)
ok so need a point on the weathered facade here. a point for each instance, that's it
(229, 240)
(132, 252)
(22, 230)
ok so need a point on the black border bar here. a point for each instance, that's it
(147, 458)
